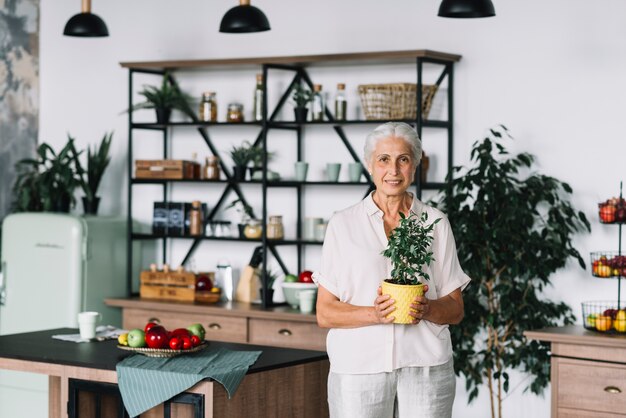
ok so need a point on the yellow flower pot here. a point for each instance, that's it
(403, 294)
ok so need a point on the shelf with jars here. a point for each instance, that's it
(402, 102)
(608, 316)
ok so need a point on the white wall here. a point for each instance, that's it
(553, 72)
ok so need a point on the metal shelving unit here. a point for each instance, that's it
(298, 65)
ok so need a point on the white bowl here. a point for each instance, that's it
(291, 290)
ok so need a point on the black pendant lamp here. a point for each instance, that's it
(244, 18)
(86, 24)
(466, 8)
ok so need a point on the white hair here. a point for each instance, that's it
(400, 130)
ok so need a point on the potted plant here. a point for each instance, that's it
(301, 96)
(241, 156)
(97, 162)
(408, 250)
(47, 182)
(245, 214)
(515, 227)
(164, 99)
(267, 293)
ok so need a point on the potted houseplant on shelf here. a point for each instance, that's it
(164, 99)
(245, 214)
(97, 162)
(241, 156)
(409, 251)
(47, 182)
(301, 96)
(515, 228)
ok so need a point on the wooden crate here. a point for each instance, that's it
(166, 169)
(174, 286)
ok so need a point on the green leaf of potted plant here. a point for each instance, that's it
(409, 251)
(97, 162)
(301, 96)
(241, 156)
(46, 183)
(164, 99)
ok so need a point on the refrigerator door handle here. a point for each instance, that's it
(3, 289)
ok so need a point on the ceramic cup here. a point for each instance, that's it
(301, 169)
(307, 300)
(309, 228)
(354, 171)
(332, 171)
(87, 324)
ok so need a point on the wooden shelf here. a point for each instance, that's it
(298, 60)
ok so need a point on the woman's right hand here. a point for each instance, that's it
(383, 306)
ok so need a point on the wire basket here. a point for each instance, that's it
(394, 100)
(604, 316)
(606, 264)
(613, 211)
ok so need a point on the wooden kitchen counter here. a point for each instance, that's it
(282, 381)
(279, 326)
(588, 372)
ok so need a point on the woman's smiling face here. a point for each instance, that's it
(392, 166)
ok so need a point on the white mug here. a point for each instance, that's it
(307, 300)
(87, 324)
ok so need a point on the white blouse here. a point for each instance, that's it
(353, 268)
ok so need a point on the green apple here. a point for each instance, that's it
(291, 278)
(136, 338)
(198, 330)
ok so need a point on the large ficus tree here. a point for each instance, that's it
(513, 228)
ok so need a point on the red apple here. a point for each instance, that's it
(149, 326)
(306, 277)
(175, 343)
(156, 337)
(203, 282)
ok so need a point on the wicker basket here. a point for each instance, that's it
(394, 100)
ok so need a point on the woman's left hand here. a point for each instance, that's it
(420, 307)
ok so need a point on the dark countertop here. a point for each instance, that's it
(41, 347)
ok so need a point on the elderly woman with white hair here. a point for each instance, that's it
(379, 369)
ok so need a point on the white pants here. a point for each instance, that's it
(424, 392)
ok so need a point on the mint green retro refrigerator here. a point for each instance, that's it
(53, 267)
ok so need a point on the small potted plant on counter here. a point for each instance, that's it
(409, 251)
(301, 96)
(97, 162)
(164, 99)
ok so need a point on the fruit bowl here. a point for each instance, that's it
(163, 352)
(607, 264)
(604, 316)
(612, 211)
(291, 290)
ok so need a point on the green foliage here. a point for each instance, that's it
(301, 95)
(514, 229)
(47, 182)
(243, 154)
(167, 96)
(244, 210)
(97, 162)
(409, 249)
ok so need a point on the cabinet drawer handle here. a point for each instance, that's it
(284, 332)
(612, 389)
(155, 320)
(215, 326)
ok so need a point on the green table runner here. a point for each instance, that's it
(146, 382)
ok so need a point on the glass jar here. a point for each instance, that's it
(235, 112)
(317, 103)
(207, 111)
(341, 105)
(253, 229)
(275, 228)
(212, 168)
